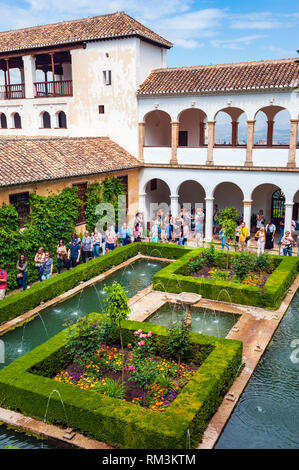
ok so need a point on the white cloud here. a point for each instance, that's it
(263, 20)
(236, 43)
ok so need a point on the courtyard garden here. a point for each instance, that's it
(133, 384)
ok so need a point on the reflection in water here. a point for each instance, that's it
(267, 414)
(209, 322)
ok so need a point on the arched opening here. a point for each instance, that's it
(268, 200)
(17, 124)
(192, 131)
(191, 194)
(157, 129)
(3, 121)
(46, 120)
(296, 207)
(62, 120)
(157, 197)
(272, 126)
(231, 127)
(228, 194)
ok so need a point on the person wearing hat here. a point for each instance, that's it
(74, 253)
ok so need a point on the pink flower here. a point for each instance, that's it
(150, 334)
(150, 358)
(125, 368)
(132, 368)
(141, 343)
(129, 345)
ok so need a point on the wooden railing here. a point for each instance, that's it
(59, 88)
(12, 92)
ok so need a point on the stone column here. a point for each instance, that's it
(141, 131)
(270, 133)
(247, 213)
(250, 143)
(293, 143)
(209, 218)
(174, 205)
(235, 133)
(201, 134)
(142, 206)
(211, 141)
(175, 126)
(29, 75)
(288, 216)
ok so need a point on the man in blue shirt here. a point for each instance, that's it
(125, 234)
(73, 255)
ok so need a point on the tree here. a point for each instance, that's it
(117, 309)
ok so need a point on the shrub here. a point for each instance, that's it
(262, 262)
(243, 265)
(178, 339)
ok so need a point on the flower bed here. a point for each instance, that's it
(162, 382)
(233, 273)
(26, 384)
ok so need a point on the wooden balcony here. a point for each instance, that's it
(50, 89)
(12, 92)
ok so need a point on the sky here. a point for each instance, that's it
(203, 31)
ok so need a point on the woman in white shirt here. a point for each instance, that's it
(260, 236)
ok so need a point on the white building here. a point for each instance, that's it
(107, 76)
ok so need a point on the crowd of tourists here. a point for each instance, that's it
(164, 228)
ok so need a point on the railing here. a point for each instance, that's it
(59, 88)
(12, 92)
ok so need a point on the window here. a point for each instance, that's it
(62, 120)
(3, 121)
(46, 120)
(21, 202)
(17, 121)
(278, 206)
(107, 77)
(82, 187)
(101, 109)
(183, 138)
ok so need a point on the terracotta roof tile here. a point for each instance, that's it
(282, 73)
(28, 160)
(114, 25)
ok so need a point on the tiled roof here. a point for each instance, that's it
(28, 160)
(266, 74)
(114, 25)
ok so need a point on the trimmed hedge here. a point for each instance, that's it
(121, 423)
(16, 304)
(270, 296)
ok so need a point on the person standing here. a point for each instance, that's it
(74, 253)
(287, 242)
(260, 220)
(61, 255)
(125, 234)
(215, 215)
(243, 235)
(22, 273)
(260, 236)
(86, 247)
(39, 260)
(47, 266)
(110, 239)
(137, 233)
(96, 243)
(199, 223)
(3, 283)
(223, 239)
(185, 234)
(270, 233)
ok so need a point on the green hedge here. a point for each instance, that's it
(270, 296)
(17, 304)
(120, 423)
